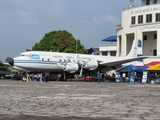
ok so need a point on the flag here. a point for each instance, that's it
(132, 1)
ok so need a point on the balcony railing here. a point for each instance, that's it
(108, 44)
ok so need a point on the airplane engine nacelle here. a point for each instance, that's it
(71, 67)
(91, 65)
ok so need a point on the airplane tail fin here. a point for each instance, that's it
(136, 49)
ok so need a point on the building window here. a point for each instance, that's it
(147, 2)
(105, 53)
(155, 1)
(155, 36)
(155, 52)
(113, 53)
(139, 43)
(144, 37)
(148, 18)
(133, 20)
(140, 19)
(157, 17)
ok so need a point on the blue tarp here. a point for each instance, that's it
(129, 67)
(143, 68)
(111, 38)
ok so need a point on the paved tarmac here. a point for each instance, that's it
(78, 101)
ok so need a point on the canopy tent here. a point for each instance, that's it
(111, 38)
(153, 63)
(155, 67)
(129, 68)
(141, 69)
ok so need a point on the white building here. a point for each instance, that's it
(141, 22)
(109, 46)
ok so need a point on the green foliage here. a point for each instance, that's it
(61, 41)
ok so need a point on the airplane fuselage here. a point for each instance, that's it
(41, 61)
(54, 61)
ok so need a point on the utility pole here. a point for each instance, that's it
(76, 46)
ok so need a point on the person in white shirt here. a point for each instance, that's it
(124, 77)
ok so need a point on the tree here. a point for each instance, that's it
(61, 41)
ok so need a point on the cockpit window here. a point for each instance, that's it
(26, 55)
(22, 55)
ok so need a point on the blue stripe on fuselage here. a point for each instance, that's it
(35, 62)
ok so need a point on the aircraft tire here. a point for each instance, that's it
(24, 79)
(2, 77)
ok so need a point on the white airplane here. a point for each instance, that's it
(57, 62)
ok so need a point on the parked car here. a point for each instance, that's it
(8, 76)
(88, 79)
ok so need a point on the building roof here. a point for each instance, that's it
(111, 38)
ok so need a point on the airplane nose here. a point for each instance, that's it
(11, 61)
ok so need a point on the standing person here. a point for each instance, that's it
(32, 77)
(37, 77)
(98, 76)
(40, 77)
(103, 79)
(124, 77)
(46, 76)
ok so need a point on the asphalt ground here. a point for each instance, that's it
(78, 101)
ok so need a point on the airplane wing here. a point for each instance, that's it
(120, 61)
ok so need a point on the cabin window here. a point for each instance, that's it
(64, 60)
(42, 59)
(73, 60)
(48, 59)
(133, 20)
(60, 60)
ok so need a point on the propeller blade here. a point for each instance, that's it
(81, 71)
(64, 75)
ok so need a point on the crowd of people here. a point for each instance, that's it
(32, 77)
(138, 77)
(101, 77)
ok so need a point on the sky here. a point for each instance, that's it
(24, 22)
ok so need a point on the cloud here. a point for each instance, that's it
(25, 17)
(105, 19)
(18, 12)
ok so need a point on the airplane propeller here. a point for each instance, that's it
(82, 63)
(64, 67)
